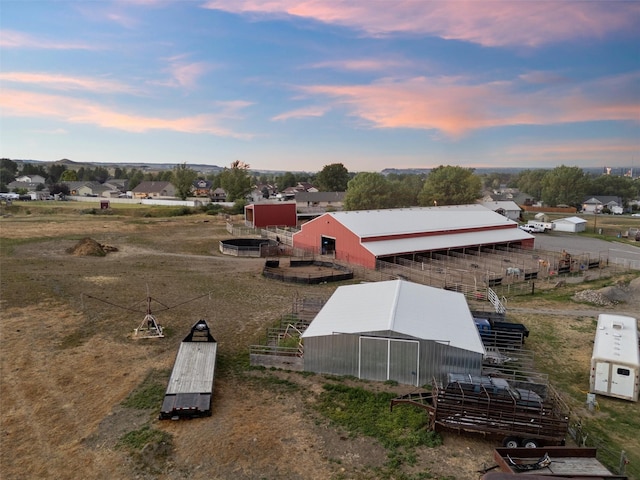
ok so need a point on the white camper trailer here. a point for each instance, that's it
(615, 363)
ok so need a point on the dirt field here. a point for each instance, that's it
(68, 361)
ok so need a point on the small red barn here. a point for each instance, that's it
(365, 236)
(271, 214)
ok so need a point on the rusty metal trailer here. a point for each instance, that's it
(563, 462)
(190, 389)
(482, 412)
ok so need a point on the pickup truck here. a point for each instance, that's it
(498, 332)
(531, 228)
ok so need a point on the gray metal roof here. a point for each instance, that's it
(574, 220)
(398, 221)
(194, 368)
(509, 205)
(404, 307)
(399, 246)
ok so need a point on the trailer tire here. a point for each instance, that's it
(511, 442)
(530, 443)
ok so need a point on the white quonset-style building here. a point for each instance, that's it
(364, 237)
(570, 224)
(394, 330)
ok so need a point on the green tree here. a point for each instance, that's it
(8, 172)
(405, 188)
(236, 181)
(120, 172)
(287, 180)
(368, 191)
(55, 172)
(450, 185)
(69, 176)
(135, 178)
(183, 178)
(100, 175)
(333, 178)
(530, 182)
(564, 186)
(33, 169)
(624, 187)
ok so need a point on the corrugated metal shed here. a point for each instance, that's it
(394, 330)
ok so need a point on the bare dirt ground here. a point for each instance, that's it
(68, 361)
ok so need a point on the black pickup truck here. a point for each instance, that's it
(496, 331)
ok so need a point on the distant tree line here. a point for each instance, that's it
(444, 185)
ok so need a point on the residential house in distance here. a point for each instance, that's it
(262, 192)
(154, 190)
(596, 203)
(31, 179)
(119, 185)
(290, 193)
(202, 187)
(313, 204)
(507, 208)
(91, 189)
(36, 190)
(219, 195)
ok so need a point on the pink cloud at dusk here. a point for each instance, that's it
(64, 82)
(454, 108)
(13, 39)
(187, 74)
(25, 104)
(488, 23)
(302, 113)
(362, 65)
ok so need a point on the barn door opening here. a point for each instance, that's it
(328, 245)
(384, 359)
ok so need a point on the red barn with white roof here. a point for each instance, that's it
(362, 237)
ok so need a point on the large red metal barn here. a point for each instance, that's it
(365, 236)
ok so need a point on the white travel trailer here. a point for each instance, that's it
(615, 363)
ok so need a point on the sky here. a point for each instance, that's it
(291, 85)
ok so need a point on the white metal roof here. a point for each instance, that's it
(409, 308)
(574, 220)
(509, 205)
(398, 221)
(440, 242)
(616, 340)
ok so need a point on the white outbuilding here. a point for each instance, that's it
(570, 224)
(394, 330)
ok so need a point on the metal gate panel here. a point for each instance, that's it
(374, 358)
(403, 361)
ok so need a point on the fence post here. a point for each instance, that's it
(623, 463)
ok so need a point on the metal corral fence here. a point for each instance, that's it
(618, 461)
(336, 272)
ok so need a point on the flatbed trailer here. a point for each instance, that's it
(563, 462)
(516, 425)
(190, 389)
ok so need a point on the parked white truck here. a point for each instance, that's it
(541, 226)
